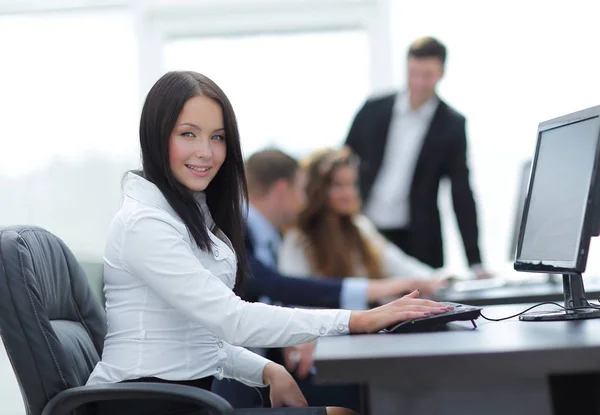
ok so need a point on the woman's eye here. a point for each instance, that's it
(188, 135)
(218, 137)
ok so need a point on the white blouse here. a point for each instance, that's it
(293, 256)
(170, 307)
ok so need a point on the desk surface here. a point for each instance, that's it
(508, 348)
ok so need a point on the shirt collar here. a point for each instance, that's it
(402, 106)
(143, 190)
(262, 231)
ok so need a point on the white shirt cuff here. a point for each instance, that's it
(244, 366)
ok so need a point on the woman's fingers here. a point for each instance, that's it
(408, 312)
(424, 308)
(415, 294)
(418, 301)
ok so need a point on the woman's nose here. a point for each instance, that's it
(203, 149)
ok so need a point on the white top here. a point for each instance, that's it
(389, 202)
(170, 307)
(293, 257)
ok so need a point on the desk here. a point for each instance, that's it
(518, 294)
(499, 368)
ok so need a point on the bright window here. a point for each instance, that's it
(69, 106)
(296, 91)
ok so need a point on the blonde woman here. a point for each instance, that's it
(333, 240)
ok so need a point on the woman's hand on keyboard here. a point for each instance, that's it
(406, 308)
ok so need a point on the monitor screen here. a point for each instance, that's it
(554, 216)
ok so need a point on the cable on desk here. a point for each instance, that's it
(590, 305)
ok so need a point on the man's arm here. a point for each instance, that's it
(462, 195)
(304, 292)
(354, 139)
(347, 293)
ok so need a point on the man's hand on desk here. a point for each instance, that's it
(394, 287)
(477, 272)
(299, 358)
(426, 287)
(480, 272)
(406, 308)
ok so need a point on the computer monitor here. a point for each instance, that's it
(560, 213)
(523, 185)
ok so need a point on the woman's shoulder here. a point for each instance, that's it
(295, 242)
(364, 224)
(293, 234)
(293, 255)
(134, 214)
(294, 238)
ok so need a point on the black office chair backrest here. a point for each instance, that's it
(52, 325)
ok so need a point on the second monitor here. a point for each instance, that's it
(560, 212)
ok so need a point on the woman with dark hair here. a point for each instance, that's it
(175, 252)
(333, 240)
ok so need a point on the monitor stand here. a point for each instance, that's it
(574, 298)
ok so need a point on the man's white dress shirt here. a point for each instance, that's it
(388, 206)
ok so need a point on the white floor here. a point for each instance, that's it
(10, 395)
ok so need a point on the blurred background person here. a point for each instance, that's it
(276, 193)
(333, 239)
(407, 142)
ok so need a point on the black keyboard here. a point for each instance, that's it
(461, 312)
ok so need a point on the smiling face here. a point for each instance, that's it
(197, 146)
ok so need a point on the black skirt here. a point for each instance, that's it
(166, 407)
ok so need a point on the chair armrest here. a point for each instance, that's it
(67, 400)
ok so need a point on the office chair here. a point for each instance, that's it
(53, 329)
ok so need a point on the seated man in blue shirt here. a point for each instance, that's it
(276, 195)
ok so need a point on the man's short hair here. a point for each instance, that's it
(266, 167)
(428, 47)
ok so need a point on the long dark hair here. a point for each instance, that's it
(333, 241)
(226, 193)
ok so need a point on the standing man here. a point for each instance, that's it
(407, 142)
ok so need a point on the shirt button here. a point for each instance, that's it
(322, 331)
(216, 253)
(341, 327)
(220, 345)
(219, 369)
